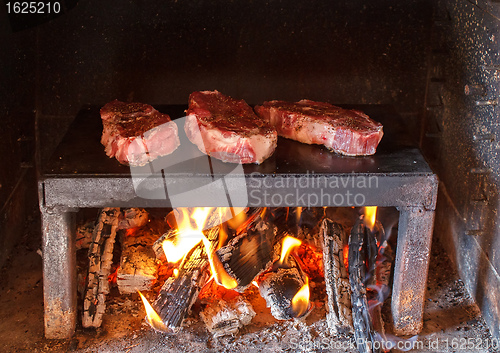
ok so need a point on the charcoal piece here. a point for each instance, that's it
(250, 253)
(227, 317)
(100, 261)
(278, 289)
(133, 218)
(339, 317)
(360, 259)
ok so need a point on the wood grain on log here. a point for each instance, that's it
(279, 287)
(360, 258)
(250, 253)
(339, 317)
(100, 261)
(179, 293)
(138, 265)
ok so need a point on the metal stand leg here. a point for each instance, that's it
(59, 272)
(411, 269)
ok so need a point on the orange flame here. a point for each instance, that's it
(346, 257)
(190, 234)
(239, 217)
(370, 216)
(152, 317)
(218, 272)
(289, 243)
(300, 301)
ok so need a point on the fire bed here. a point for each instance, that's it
(80, 175)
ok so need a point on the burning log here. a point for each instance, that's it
(138, 265)
(250, 253)
(283, 291)
(158, 244)
(302, 222)
(362, 258)
(338, 289)
(179, 293)
(100, 261)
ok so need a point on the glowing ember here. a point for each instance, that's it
(152, 317)
(300, 301)
(346, 257)
(298, 213)
(176, 272)
(289, 243)
(370, 216)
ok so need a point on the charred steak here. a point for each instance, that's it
(228, 129)
(136, 133)
(348, 132)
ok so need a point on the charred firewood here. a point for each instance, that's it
(226, 317)
(138, 265)
(84, 235)
(338, 289)
(250, 253)
(280, 286)
(361, 257)
(379, 291)
(133, 218)
(179, 293)
(302, 222)
(100, 261)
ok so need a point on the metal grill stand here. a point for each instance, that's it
(79, 175)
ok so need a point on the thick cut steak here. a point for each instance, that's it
(348, 132)
(136, 133)
(228, 129)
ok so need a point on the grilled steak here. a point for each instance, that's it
(348, 132)
(228, 129)
(136, 133)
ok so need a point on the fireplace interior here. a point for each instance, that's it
(428, 70)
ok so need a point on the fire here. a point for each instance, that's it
(152, 317)
(190, 233)
(370, 216)
(289, 243)
(218, 272)
(346, 257)
(239, 217)
(300, 301)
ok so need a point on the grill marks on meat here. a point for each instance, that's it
(136, 133)
(348, 132)
(228, 129)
